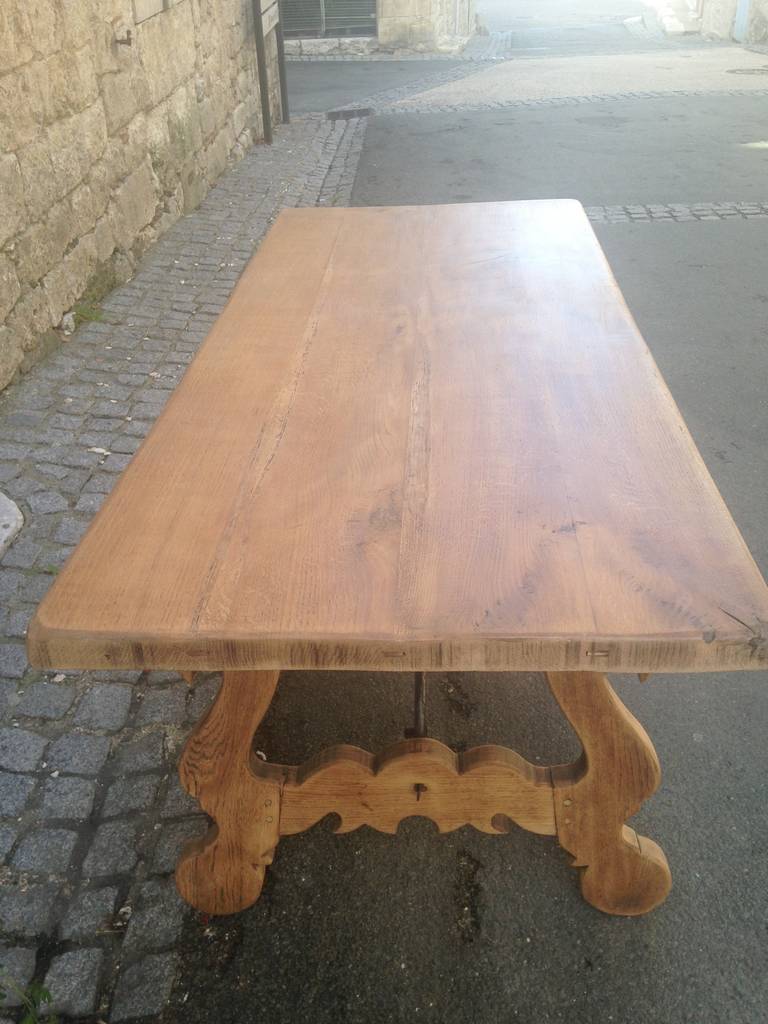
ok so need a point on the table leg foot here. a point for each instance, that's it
(623, 873)
(223, 872)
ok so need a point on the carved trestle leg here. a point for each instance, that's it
(223, 872)
(623, 873)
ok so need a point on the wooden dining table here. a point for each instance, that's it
(417, 439)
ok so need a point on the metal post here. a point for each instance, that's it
(419, 728)
(261, 67)
(286, 114)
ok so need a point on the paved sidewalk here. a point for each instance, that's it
(92, 815)
(710, 68)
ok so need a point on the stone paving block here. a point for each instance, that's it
(144, 988)
(178, 803)
(201, 697)
(19, 966)
(35, 587)
(8, 695)
(27, 911)
(7, 838)
(68, 797)
(90, 503)
(140, 755)
(73, 980)
(104, 706)
(113, 851)
(78, 753)
(22, 554)
(14, 791)
(11, 582)
(100, 483)
(13, 660)
(173, 838)
(46, 502)
(20, 750)
(46, 700)
(116, 463)
(133, 794)
(165, 705)
(45, 850)
(70, 530)
(157, 918)
(89, 912)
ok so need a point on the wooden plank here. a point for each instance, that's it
(623, 872)
(419, 437)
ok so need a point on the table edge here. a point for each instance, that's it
(49, 648)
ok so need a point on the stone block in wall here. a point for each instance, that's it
(11, 355)
(166, 47)
(80, 20)
(12, 209)
(133, 205)
(359, 45)
(67, 281)
(194, 184)
(27, 28)
(10, 289)
(37, 249)
(104, 240)
(30, 317)
(143, 9)
(184, 133)
(61, 158)
(41, 189)
(216, 156)
(207, 115)
(21, 114)
(757, 31)
(123, 154)
(66, 82)
(124, 94)
(87, 207)
(172, 208)
(44, 243)
(173, 134)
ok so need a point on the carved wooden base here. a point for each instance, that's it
(585, 804)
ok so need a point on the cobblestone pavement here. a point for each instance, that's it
(416, 104)
(675, 212)
(91, 812)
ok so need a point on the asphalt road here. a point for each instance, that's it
(317, 86)
(674, 150)
(368, 929)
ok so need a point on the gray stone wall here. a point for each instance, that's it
(103, 145)
(758, 22)
(718, 20)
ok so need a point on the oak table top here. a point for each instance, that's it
(416, 438)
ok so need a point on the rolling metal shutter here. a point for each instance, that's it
(329, 17)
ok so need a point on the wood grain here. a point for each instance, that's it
(417, 438)
(487, 787)
(623, 873)
(224, 871)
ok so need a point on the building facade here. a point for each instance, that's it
(116, 116)
(315, 27)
